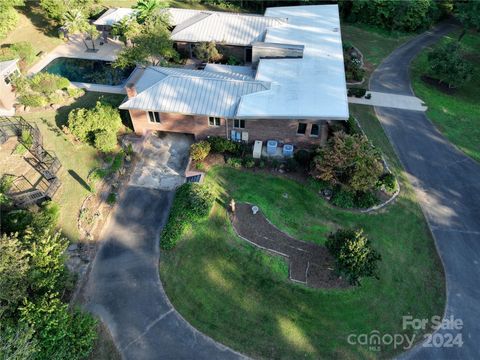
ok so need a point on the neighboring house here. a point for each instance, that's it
(7, 94)
(293, 88)
(110, 17)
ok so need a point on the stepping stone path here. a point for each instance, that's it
(310, 264)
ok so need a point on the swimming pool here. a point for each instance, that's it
(88, 71)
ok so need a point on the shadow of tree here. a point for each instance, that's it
(33, 11)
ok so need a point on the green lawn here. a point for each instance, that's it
(231, 292)
(456, 115)
(375, 44)
(76, 159)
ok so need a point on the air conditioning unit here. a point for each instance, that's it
(245, 136)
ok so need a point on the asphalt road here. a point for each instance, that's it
(448, 188)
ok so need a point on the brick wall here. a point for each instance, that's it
(284, 131)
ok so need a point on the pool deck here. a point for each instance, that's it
(75, 48)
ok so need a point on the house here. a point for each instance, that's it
(294, 86)
(7, 93)
(110, 17)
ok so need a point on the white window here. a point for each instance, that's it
(239, 124)
(213, 121)
(302, 128)
(154, 117)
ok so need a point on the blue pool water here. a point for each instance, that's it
(88, 71)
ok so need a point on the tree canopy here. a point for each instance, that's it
(448, 65)
(8, 16)
(468, 12)
(349, 160)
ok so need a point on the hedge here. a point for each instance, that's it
(192, 203)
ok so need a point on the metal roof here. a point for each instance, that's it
(178, 16)
(192, 92)
(231, 69)
(312, 87)
(228, 28)
(113, 15)
(7, 67)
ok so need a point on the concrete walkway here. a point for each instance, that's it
(447, 186)
(124, 287)
(394, 101)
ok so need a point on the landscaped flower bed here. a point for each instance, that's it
(354, 71)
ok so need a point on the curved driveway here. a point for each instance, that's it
(124, 287)
(448, 187)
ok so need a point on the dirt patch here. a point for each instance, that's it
(310, 264)
(437, 84)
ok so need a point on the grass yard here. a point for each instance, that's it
(77, 159)
(456, 115)
(375, 44)
(231, 292)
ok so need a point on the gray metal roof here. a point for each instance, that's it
(6, 67)
(113, 16)
(228, 28)
(193, 92)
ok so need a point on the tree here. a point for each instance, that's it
(14, 267)
(8, 16)
(127, 29)
(353, 254)
(55, 9)
(23, 50)
(448, 65)
(17, 342)
(407, 15)
(151, 47)
(349, 160)
(148, 8)
(468, 12)
(207, 52)
(87, 124)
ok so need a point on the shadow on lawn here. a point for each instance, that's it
(38, 19)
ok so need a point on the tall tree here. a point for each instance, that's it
(127, 29)
(468, 12)
(55, 9)
(75, 22)
(151, 47)
(148, 8)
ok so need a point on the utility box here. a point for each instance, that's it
(257, 149)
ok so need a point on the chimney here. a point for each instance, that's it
(131, 90)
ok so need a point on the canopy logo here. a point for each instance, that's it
(446, 332)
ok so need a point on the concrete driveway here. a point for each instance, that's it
(124, 287)
(446, 183)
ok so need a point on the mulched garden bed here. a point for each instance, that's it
(309, 263)
(438, 85)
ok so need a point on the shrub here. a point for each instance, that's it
(234, 162)
(47, 83)
(291, 165)
(352, 126)
(87, 124)
(365, 200)
(349, 160)
(357, 92)
(207, 52)
(23, 51)
(354, 256)
(448, 65)
(105, 141)
(248, 162)
(343, 199)
(111, 198)
(222, 145)
(192, 202)
(74, 92)
(200, 150)
(388, 182)
(232, 60)
(303, 157)
(33, 100)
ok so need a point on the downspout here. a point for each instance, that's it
(226, 127)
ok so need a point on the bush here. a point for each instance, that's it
(355, 258)
(74, 92)
(236, 163)
(200, 150)
(207, 52)
(222, 145)
(23, 51)
(87, 124)
(343, 199)
(365, 200)
(248, 162)
(111, 198)
(105, 141)
(388, 182)
(47, 83)
(357, 92)
(448, 65)
(349, 160)
(192, 202)
(303, 157)
(291, 165)
(33, 100)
